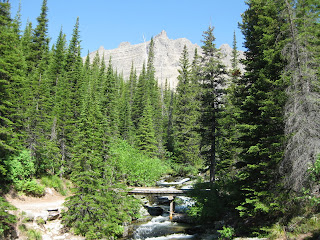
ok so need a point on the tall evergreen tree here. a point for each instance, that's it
(126, 124)
(213, 82)
(111, 101)
(140, 97)
(6, 68)
(261, 98)
(168, 122)
(40, 39)
(26, 42)
(153, 92)
(36, 115)
(228, 122)
(145, 134)
(56, 146)
(187, 139)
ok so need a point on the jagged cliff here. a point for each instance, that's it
(166, 60)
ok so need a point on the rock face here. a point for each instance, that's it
(167, 53)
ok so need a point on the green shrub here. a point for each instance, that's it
(134, 167)
(54, 182)
(20, 167)
(226, 233)
(30, 187)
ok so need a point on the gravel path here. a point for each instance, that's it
(51, 200)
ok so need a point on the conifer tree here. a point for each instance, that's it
(26, 41)
(37, 93)
(187, 139)
(127, 100)
(56, 146)
(261, 98)
(111, 101)
(6, 68)
(74, 70)
(153, 92)
(145, 134)
(168, 122)
(95, 210)
(126, 125)
(212, 82)
(40, 40)
(12, 78)
(140, 97)
(228, 122)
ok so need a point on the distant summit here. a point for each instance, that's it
(167, 53)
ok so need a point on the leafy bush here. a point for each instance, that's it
(30, 187)
(226, 233)
(54, 182)
(134, 167)
(20, 167)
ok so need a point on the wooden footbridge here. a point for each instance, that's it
(158, 191)
(171, 193)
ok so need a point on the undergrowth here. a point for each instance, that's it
(60, 185)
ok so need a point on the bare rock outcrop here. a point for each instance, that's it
(167, 53)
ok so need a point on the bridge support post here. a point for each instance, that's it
(171, 199)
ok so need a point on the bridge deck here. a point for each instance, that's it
(158, 191)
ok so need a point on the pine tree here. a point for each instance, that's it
(260, 98)
(168, 122)
(40, 40)
(74, 70)
(6, 68)
(153, 91)
(212, 82)
(37, 91)
(229, 130)
(126, 124)
(145, 133)
(127, 99)
(95, 210)
(111, 101)
(55, 148)
(26, 41)
(187, 139)
(140, 97)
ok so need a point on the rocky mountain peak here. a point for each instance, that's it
(162, 35)
(167, 53)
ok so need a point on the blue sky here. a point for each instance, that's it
(109, 22)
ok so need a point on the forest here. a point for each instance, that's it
(252, 137)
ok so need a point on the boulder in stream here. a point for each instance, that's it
(155, 211)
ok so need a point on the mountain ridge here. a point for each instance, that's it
(167, 53)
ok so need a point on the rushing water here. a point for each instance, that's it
(161, 228)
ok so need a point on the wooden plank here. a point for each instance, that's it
(158, 191)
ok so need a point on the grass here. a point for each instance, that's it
(31, 234)
(53, 181)
(298, 226)
(34, 235)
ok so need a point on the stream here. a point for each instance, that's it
(161, 227)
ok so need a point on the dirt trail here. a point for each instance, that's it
(51, 200)
(34, 206)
